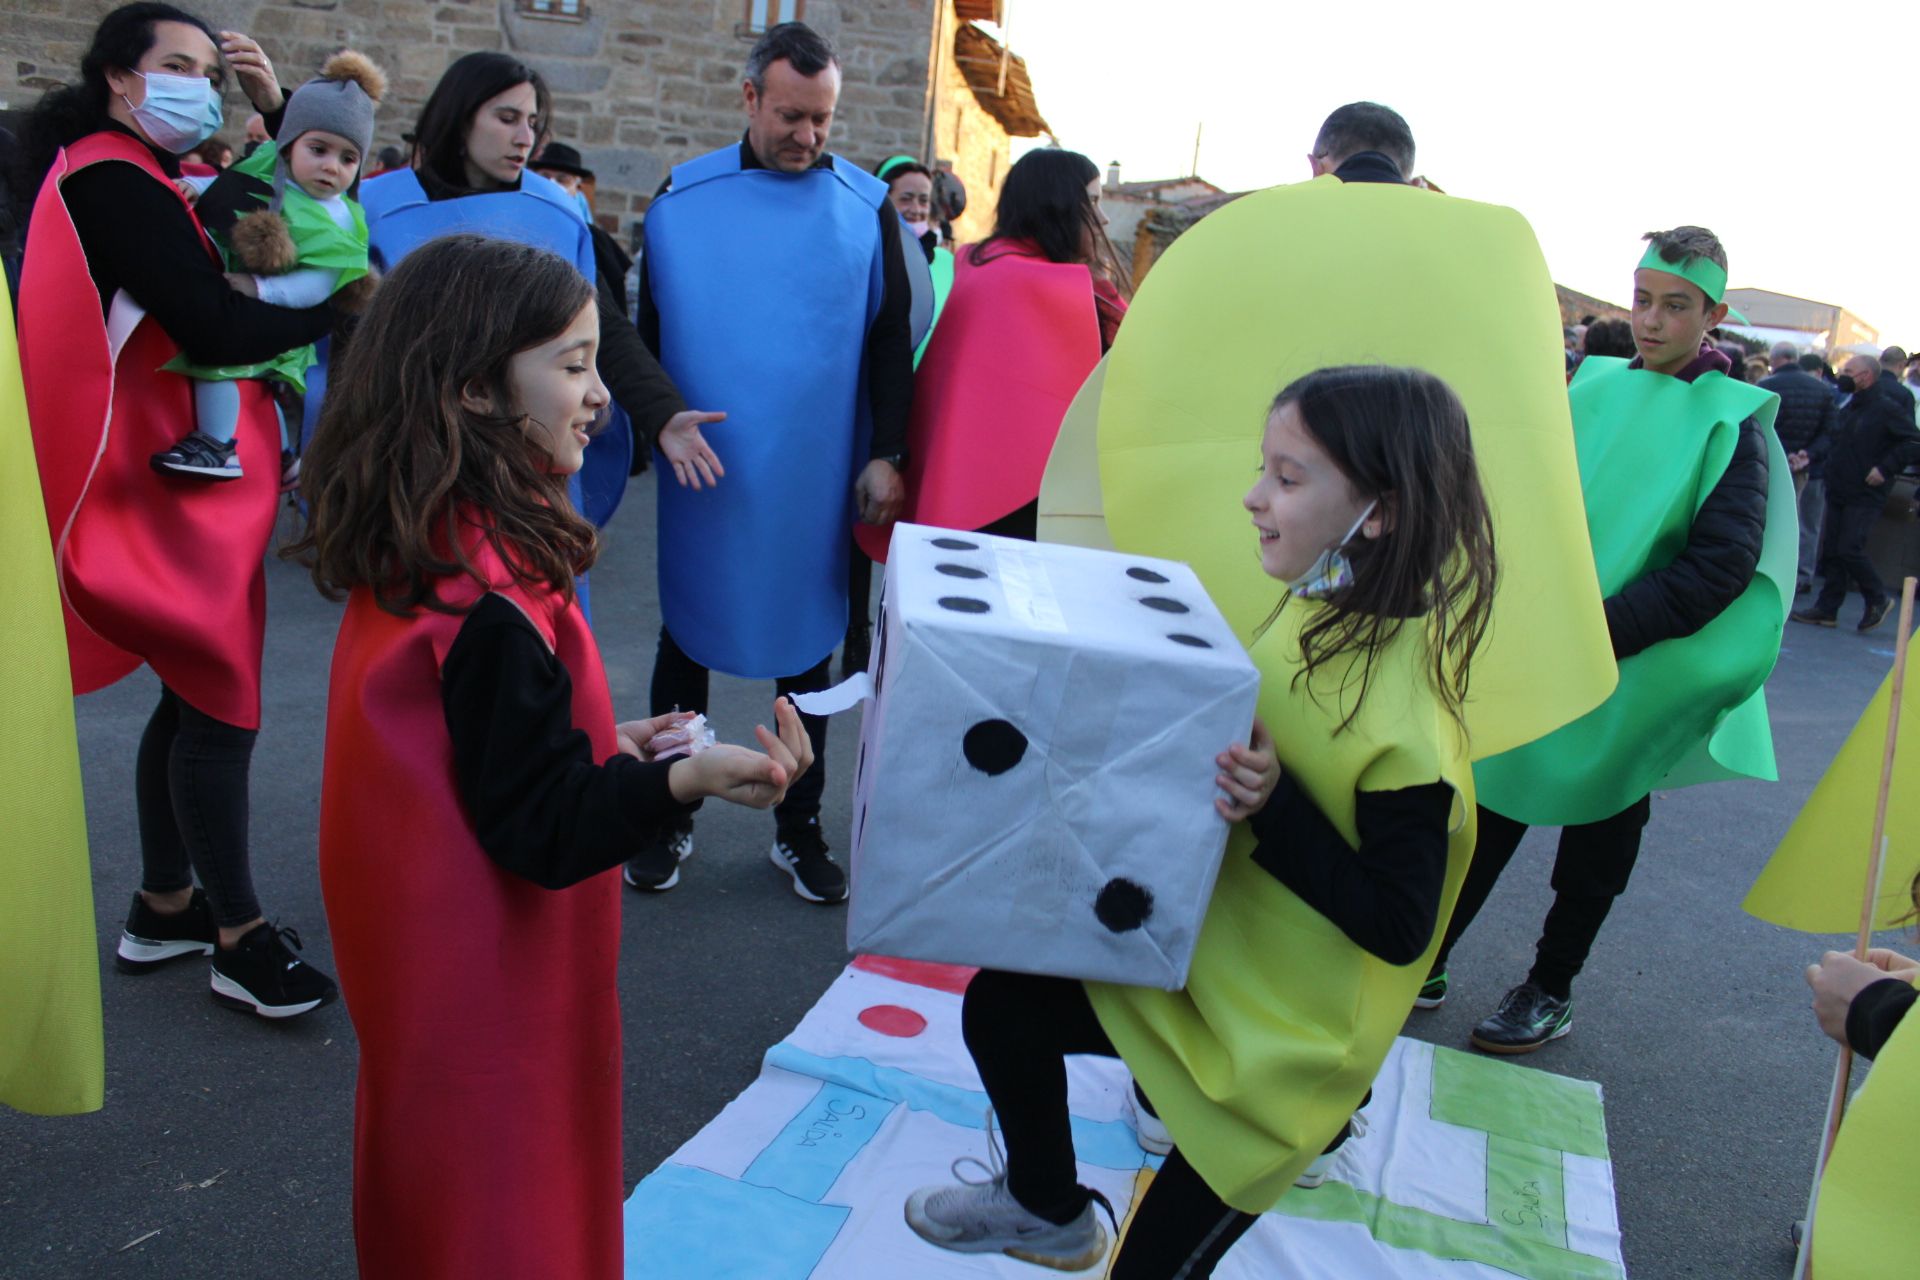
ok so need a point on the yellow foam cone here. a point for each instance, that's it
(52, 1057)
(1814, 880)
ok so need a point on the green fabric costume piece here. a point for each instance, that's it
(1704, 274)
(942, 268)
(1686, 710)
(1284, 1021)
(322, 244)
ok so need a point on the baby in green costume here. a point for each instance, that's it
(307, 242)
(1690, 512)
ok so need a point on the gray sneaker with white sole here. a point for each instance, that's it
(981, 1216)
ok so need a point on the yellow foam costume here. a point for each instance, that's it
(1284, 1020)
(52, 1054)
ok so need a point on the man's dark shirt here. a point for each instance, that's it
(1369, 166)
(1874, 429)
(1805, 420)
(889, 339)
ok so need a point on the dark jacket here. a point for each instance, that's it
(1874, 429)
(1806, 415)
(1369, 166)
(1721, 555)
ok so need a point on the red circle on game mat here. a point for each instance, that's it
(892, 1020)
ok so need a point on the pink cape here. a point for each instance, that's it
(1018, 337)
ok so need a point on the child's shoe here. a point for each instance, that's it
(1527, 1018)
(1433, 992)
(983, 1217)
(1322, 1167)
(289, 471)
(1148, 1128)
(200, 457)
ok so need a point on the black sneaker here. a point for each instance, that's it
(289, 471)
(1433, 992)
(1816, 617)
(262, 974)
(656, 868)
(200, 457)
(801, 852)
(1875, 614)
(150, 939)
(1527, 1018)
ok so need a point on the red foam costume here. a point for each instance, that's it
(487, 1136)
(1018, 337)
(154, 569)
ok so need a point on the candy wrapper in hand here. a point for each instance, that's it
(687, 739)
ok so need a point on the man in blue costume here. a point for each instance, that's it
(773, 287)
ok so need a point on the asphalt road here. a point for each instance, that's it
(224, 1147)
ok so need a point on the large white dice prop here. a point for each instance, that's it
(1036, 778)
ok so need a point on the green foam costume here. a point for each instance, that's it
(1687, 710)
(321, 242)
(1279, 1030)
(1284, 1020)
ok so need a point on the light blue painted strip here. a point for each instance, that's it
(818, 1143)
(688, 1224)
(1104, 1144)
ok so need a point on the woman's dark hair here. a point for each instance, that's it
(71, 112)
(1400, 436)
(900, 169)
(1044, 200)
(399, 467)
(440, 136)
(1611, 338)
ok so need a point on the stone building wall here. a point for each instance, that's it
(639, 86)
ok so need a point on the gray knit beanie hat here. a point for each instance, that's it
(340, 101)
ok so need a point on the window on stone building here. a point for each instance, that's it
(762, 14)
(563, 10)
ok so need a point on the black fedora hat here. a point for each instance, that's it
(563, 158)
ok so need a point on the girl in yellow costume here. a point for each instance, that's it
(1369, 506)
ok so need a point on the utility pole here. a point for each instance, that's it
(1196, 149)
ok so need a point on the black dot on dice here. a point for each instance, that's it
(1192, 642)
(1163, 604)
(960, 571)
(1146, 575)
(994, 746)
(1123, 905)
(963, 604)
(955, 544)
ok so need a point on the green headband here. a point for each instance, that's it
(890, 164)
(1702, 272)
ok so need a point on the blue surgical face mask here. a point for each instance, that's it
(1331, 570)
(179, 112)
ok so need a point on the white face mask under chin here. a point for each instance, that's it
(1331, 570)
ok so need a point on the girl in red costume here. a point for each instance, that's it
(119, 279)
(1033, 308)
(477, 791)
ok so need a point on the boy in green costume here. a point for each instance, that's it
(1689, 509)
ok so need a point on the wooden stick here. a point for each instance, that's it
(1869, 900)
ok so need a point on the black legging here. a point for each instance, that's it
(1591, 869)
(190, 790)
(681, 684)
(1019, 1029)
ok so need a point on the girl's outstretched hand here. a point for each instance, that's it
(634, 735)
(1248, 774)
(695, 464)
(742, 775)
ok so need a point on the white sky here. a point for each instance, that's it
(1789, 129)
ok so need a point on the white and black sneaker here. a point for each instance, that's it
(261, 974)
(200, 457)
(980, 1215)
(801, 851)
(656, 868)
(150, 938)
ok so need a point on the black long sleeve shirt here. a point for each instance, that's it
(1385, 895)
(1875, 1014)
(889, 338)
(542, 807)
(138, 237)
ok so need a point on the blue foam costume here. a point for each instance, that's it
(400, 218)
(766, 284)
